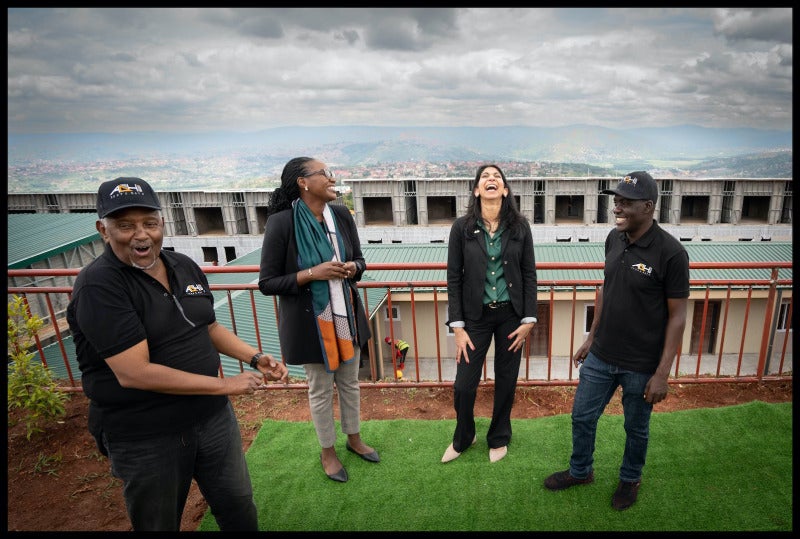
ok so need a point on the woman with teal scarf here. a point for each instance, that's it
(311, 259)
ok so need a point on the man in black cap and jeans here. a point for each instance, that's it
(638, 325)
(148, 347)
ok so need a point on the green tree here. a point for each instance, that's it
(347, 198)
(31, 386)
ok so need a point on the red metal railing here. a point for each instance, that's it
(749, 366)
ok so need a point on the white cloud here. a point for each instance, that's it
(198, 69)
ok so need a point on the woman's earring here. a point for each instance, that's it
(306, 188)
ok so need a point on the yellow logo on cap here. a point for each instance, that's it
(125, 189)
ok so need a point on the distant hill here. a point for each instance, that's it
(358, 145)
(761, 165)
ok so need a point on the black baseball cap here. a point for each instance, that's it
(121, 193)
(637, 185)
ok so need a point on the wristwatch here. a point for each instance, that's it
(254, 360)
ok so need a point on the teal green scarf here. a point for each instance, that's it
(333, 304)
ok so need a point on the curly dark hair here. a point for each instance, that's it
(283, 196)
(510, 217)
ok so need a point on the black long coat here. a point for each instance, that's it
(278, 277)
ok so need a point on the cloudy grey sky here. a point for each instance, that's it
(195, 69)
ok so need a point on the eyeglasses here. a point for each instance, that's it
(326, 171)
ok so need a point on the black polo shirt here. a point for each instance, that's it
(639, 278)
(115, 306)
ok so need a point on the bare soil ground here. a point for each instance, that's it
(58, 481)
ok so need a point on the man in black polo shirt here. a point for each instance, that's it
(639, 319)
(148, 347)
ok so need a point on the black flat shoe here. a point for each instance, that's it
(369, 457)
(340, 476)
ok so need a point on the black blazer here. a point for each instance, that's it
(466, 271)
(278, 277)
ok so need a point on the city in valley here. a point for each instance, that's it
(46, 163)
(261, 172)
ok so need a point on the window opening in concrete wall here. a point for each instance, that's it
(378, 211)
(209, 221)
(178, 214)
(210, 255)
(755, 209)
(240, 214)
(784, 322)
(665, 201)
(602, 202)
(569, 209)
(694, 209)
(786, 207)
(728, 201)
(441, 210)
(51, 202)
(230, 254)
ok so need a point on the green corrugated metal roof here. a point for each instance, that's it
(36, 236)
(583, 252)
(400, 253)
(739, 252)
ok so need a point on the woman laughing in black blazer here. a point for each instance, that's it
(491, 293)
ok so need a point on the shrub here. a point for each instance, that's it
(31, 386)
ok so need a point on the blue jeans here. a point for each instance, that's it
(597, 383)
(157, 473)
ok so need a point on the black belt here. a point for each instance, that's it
(497, 304)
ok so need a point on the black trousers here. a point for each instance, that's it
(495, 324)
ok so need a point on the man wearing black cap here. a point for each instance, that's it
(638, 324)
(148, 347)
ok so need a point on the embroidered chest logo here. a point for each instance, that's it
(641, 268)
(194, 289)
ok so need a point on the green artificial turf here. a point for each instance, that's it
(714, 469)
